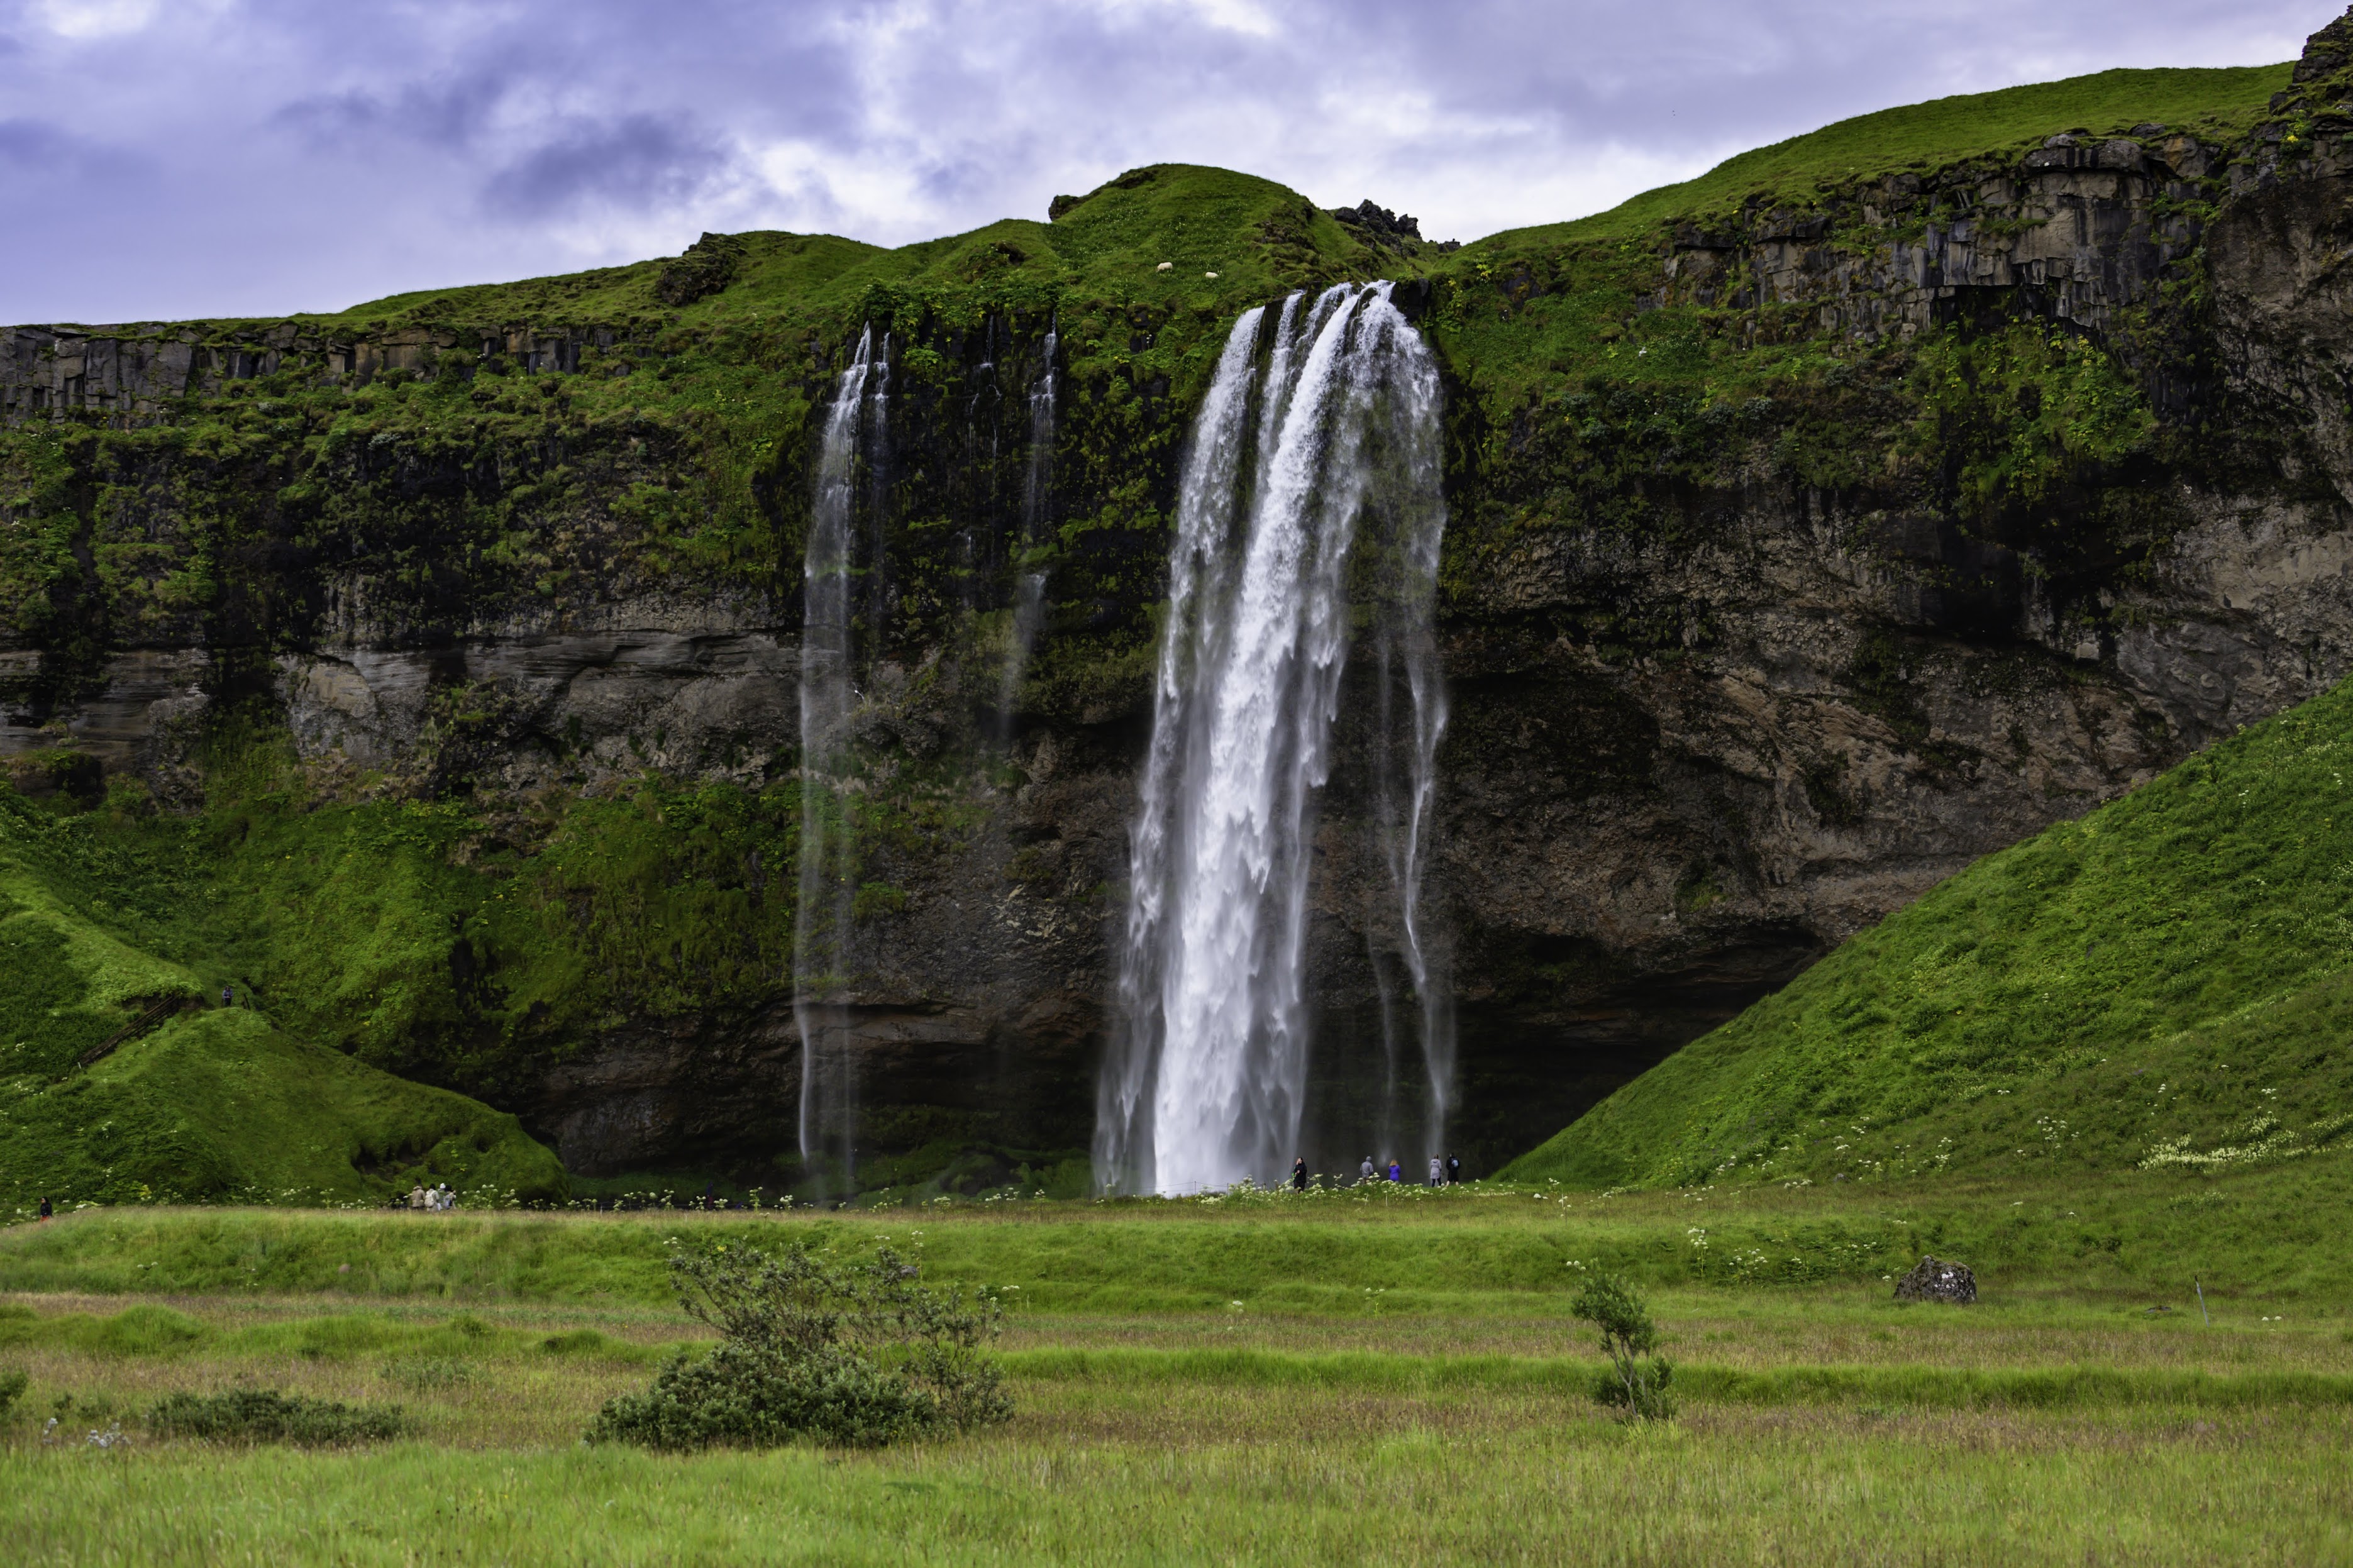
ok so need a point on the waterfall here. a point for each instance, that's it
(822, 948)
(1331, 490)
(1029, 586)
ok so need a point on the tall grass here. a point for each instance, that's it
(1297, 1478)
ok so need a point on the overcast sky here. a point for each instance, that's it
(168, 158)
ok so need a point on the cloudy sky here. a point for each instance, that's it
(166, 158)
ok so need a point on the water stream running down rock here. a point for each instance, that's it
(1311, 493)
(823, 955)
(1029, 586)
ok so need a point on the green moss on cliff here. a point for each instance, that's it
(2166, 984)
(181, 1100)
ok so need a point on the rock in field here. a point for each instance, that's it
(1931, 1280)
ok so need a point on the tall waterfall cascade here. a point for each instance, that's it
(824, 959)
(1309, 517)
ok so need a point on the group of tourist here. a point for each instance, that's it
(1442, 1172)
(423, 1199)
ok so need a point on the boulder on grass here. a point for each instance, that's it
(1931, 1280)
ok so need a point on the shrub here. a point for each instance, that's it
(1637, 1378)
(266, 1415)
(12, 1389)
(855, 1354)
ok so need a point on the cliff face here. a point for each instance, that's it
(1803, 550)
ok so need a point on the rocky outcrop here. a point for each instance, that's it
(2080, 228)
(138, 375)
(1931, 1280)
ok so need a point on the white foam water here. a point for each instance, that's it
(1205, 1085)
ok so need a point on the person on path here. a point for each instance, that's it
(1366, 1174)
(1436, 1172)
(416, 1198)
(228, 998)
(1396, 1172)
(1453, 1169)
(1298, 1173)
(46, 1210)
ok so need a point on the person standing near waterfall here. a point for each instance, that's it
(1299, 1173)
(1436, 1172)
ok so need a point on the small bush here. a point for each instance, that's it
(266, 1415)
(12, 1389)
(855, 1354)
(1638, 1376)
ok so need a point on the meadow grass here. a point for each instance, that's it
(2259, 1233)
(2058, 1421)
(1190, 1472)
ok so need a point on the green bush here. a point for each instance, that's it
(853, 1355)
(1636, 1377)
(12, 1389)
(266, 1415)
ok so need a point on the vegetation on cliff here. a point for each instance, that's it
(127, 1085)
(2162, 985)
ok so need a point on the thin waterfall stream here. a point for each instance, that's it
(1029, 586)
(824, 960)
(1310, 494)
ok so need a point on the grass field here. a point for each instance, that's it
(1317, 1379)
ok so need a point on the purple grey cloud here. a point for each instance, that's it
(262, 155)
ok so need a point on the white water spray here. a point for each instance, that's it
(1205, 1085)
(822, 949)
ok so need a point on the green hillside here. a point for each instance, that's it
(2214, 104)
(2166, 984)
(186, 1100)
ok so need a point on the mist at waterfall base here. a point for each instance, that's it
(1310, 505)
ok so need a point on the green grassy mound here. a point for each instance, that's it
(124, 1084)
(1251, 233)
(2166, 984)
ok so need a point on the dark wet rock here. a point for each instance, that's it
(1932, 1279)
